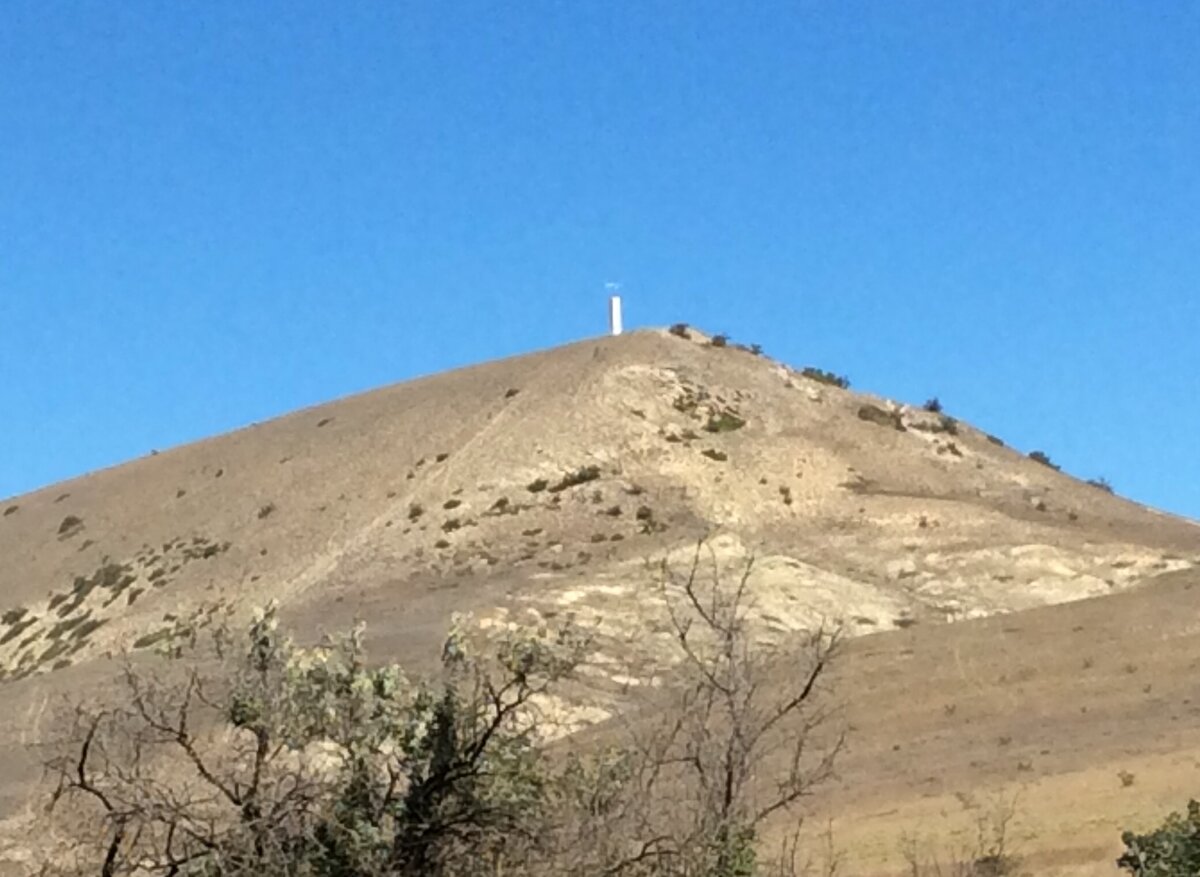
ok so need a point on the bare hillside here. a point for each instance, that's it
(543, 484)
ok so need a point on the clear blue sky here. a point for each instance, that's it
(211, 213)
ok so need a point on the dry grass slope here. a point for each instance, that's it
(542, 484)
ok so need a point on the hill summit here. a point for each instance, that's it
(544, 484)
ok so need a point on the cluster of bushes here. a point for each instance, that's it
(325, 765)
(824, 377)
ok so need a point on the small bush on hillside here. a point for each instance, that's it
(12, 616)
(1101, 484)
(582, 475)
(680, 330)
(70, 525)
(1171, 850)
(875, 414)
(719, 341)
(724, 421)
(934, 405)
(1044, 459)
(821, 376)
(11, 510)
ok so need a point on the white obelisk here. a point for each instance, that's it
(614, 314)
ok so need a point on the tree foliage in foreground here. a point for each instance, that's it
(1171, 850)
(246, 754)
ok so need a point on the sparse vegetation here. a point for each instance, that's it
(325, 764)
(69, 527)
(714, 454)
(719, 341)
(934, 405)
(538, 485)
(680, 330)
(1100, 484)
(324, 421)
(1044, 459)
(16, 630)
(645, 517)
(990, 853)
(152, 639)
(12, 616)
(724, 421)
(943, 424)
(824, 377)
(582, 475)
(881, 417)
(451, 504)
(11, 510)
(265, 511)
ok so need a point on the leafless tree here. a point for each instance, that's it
(267, 759)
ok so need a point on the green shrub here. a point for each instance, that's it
(934, 405)
(17, 629)
(680, 330)
(582, 475)
(1044, 459)
(1101, 484)
(724, 421)
(880, 417)
(70, 526)
(821, 376)
(1171, 850)
(12, 616)
(719, 341)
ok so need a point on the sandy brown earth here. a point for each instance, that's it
(1016, 629)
